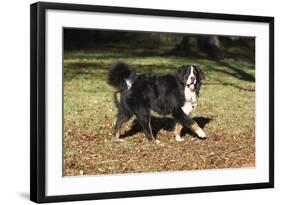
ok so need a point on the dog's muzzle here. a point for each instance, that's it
(192, 86)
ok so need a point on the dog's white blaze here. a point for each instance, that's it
(190, 101)
(192, 73)
(190, 76)
(129, 83)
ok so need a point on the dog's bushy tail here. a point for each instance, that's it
(121, 76)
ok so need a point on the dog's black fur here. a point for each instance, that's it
(163, 94)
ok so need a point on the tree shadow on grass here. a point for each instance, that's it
(220, 82)
(168, 124)
(91, 70)
(233, 71)
(236, 72)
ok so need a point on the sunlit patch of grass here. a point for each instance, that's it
(227, 98)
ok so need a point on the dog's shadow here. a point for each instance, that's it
(168, 124)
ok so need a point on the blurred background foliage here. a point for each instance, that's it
(146, 43)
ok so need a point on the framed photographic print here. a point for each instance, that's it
(129, 102)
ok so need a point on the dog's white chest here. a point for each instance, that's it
(190, 101)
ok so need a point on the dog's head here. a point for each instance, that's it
(190, 76)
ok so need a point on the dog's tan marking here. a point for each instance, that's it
(117, 136)
(177, 132)
(178, 129)
(195, 127)
(151, 134)
(116, 132)
(114, 122)
(118, 97)
(150, 130)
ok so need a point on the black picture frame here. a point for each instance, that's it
(38, 101)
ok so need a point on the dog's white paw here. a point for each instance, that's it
(178, 138)
(201, 133)
(159, 143)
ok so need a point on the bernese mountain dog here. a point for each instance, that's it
(172, 94)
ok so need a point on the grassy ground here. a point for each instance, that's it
(226, 111)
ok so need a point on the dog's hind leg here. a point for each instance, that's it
(143, 117)
(121, 118)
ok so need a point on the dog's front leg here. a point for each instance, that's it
(178, 129)
(183, 119)
(198, 130)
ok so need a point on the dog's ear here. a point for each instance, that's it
(201, 74)
(180, 75)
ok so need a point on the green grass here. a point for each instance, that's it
(227, 100)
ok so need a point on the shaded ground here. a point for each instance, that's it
(226, 111)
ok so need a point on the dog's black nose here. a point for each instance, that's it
(192, 79)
